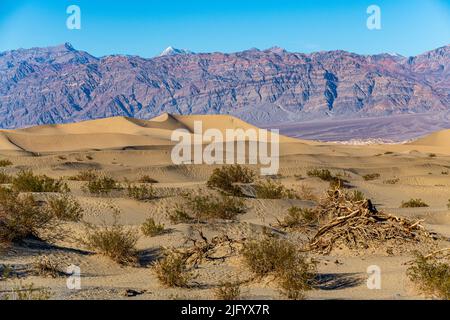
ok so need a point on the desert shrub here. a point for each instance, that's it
(26, 181)
(89, 157)
(102, 186)
(306, 192)
(269, 189)
(113, 241)
(388, 152)
(147, 179)
(27, 292)
(141, 192)
(299, 217)
(371, 176)
(432, 155)
(356, 195)
(5, 178)
(65, 208)
(431, 276)
(226, 177)
(5, 163)
(21, 217)
(172, 270)
(150, 228)
(179, 215)
(46, 267)
(228, 291)
(414, 203)
(214, 207)
(322, 174)
(85, 175)
(279, 257)
(391, 181)
(448, 204)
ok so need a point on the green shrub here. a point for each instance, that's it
(226, 177)
(371, 176)
(5, 163)
(414, 203)
(21, 217)
(102, 186)
(172, 270)
(113, 241)
(179, 215)
(150, 228)
(299, 217)
(141, 193)
(26, 181)
(268, 189)
(325, 175)
(85, 175)
(214, 207)
(5, 178)
(65, 208)
(356, 196)
(27, 292)
(228, 291)
(431, 276)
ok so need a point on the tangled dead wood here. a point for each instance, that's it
(358, 225)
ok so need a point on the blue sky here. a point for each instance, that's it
(145, 28)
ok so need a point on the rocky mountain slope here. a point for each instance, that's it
(61, 84)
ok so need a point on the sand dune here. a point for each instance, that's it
(437, 139)
(113, 133)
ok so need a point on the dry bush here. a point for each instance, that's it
(172, 270)
(358, 224)
(141, 192)
(432, 155)
(27, 292)
(151, 229)
(44, 266)
(26, 181)
(391, 181)
(269, 189)
(228, 291)
(5, 178)
(294, 272)
(85, 175)
(299, 218)
(431, 275)
(357, 195)
(113, 241)
(65, 208)
(5, 163)
(371, 176)
(414, 203)
(102, 186)
(306, 193)
(21, 217)
(226, 177)
(206, 207)
(147, 179)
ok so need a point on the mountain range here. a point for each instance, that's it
(61, 84)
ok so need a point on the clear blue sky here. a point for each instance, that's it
(145, 28)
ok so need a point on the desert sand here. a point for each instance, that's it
(130, 148)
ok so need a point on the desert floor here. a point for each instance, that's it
(343, 273)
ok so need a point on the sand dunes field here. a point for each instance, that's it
(127, 149)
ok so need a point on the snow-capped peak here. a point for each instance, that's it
(171, 51)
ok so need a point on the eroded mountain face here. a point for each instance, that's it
(61, 84)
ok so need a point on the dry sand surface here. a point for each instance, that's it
(128, 149)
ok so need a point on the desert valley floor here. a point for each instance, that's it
(128, 149)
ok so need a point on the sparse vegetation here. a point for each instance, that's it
(102, 186)
(5, 178)
(326, 175)
(228, 291)
(147, 179)
(205, 207)
(172, 270)
(391, 181)
(5, 163)
(21, 217)
(141, 192)
(414, 203)
(113, 241)
(279, 257)
(432, 155)
(431, 276)
(298, 218)
(179, 215)
(151, 229)
(269, 189)
(27, 181)
(65, 208)
(225, 178)
(371, 176)
(85, 175)
(27, 292)
(44, 266)
(306, 193)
